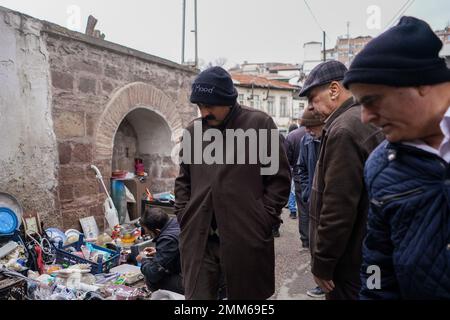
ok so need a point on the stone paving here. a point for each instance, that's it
(293, 270)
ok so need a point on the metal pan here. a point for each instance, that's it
(10, 202)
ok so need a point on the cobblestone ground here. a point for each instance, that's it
(293, 270)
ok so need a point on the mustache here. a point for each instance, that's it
(210, 117)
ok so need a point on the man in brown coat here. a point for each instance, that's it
(229, 195)
(339, 202)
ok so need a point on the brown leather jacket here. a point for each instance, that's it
(339, 201)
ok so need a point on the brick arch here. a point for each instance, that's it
(125, 100)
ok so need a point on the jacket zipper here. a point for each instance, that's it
(394, 197)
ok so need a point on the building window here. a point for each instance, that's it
(241, 99)
(297, 112)
(257, 102)
(284, 113)
(270, 106)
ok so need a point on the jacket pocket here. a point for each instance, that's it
(315, 206)
(270, 220)
(181, 214)
(383, 201)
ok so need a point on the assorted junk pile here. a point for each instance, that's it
(51, 264)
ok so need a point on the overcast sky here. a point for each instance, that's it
(238, 30)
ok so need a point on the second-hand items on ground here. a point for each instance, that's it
(52, 264)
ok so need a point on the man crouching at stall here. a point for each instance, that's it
(162, 268)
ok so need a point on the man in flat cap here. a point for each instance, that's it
(339, 202)
(404, 88)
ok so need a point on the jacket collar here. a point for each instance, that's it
(339, 111)
(393, 148)
(169, 225)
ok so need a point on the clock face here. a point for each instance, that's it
(8, 221)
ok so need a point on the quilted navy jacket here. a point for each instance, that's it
(408, 226)
(307, 161)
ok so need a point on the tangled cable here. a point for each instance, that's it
(45, 245)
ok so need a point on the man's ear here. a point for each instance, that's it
(423, 90)
(334, 90)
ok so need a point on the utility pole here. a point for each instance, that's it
(183, 41)
(348, 38)
(196, 35)
(324, 47)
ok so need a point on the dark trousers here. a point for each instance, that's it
(303, 222)
(171, 282)
(347, 287)
(211, 280)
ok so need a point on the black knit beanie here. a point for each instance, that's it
(214, 87)
(405, 55)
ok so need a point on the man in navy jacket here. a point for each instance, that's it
(162, 269)
(404, 88)
(306, 163)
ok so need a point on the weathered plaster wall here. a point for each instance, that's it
(28, 154)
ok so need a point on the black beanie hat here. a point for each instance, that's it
(214, 87)
(404, 56)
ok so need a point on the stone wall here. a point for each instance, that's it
(94, 88)
(66, 96)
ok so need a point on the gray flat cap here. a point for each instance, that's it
(324, 73)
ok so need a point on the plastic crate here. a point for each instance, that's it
(64, 257)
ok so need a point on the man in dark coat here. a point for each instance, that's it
(228, 207)
(339, 202)
(292, 145)
(404, 88)
(161, 267)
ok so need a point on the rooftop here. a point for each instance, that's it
(246, 80)
(285, 67)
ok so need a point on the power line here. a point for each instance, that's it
(396, 14)
(400, 12)
(312, 13)
(406, 9)
(317, 21)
